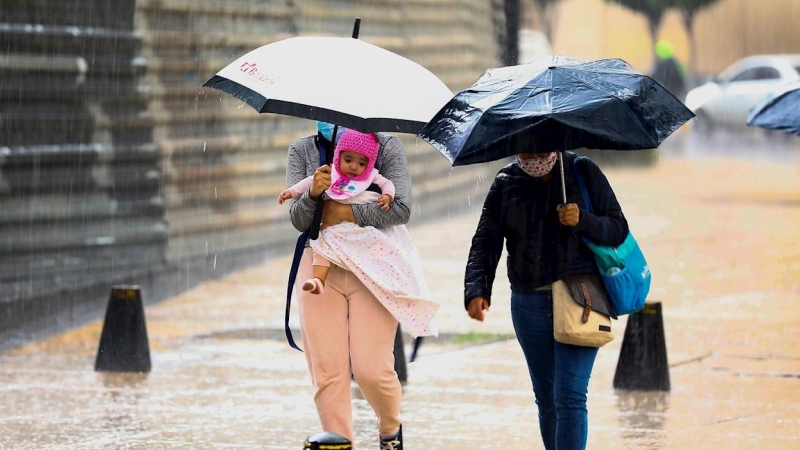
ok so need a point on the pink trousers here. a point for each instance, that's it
(346, 329)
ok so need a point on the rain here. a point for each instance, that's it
(133, 187)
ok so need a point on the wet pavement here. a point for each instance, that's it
(721, 237)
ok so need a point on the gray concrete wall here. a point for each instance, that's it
(117, 167)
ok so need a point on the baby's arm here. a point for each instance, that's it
(295, 190)
(386, 185)
(387, 189)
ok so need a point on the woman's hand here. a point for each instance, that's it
(569, 214)
(477, 306)
(322, 181)
(334, 213)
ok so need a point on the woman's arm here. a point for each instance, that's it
(301, 211)
(394, 166)
(487, 246)
(606, 225)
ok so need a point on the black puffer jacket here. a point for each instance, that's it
(521, 210)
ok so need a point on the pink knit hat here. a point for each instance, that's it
(363, 143)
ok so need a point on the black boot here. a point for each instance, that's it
(394, 443)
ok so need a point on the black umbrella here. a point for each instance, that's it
(555, 104)
(780, 111)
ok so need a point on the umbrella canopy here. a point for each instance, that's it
(555, 103)
(780, 111)
(339, 80)
(344, 81)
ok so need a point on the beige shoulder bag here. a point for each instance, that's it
(581, 311)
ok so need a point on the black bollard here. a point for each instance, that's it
(400, 357)
(417, 345)
(123, 344)
(642, 363)
(327, 441)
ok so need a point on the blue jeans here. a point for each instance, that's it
(559, 372)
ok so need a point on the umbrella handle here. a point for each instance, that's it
(563, 184)
(313, 233)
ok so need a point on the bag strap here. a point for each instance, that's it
(584, 191)
(587, 202)
(585, 194)
(374, 187)
(298, 254)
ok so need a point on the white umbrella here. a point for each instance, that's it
(344, 81)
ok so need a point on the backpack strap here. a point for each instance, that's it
(374, 187)
(298, 254)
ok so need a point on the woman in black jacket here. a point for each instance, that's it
(543, 240)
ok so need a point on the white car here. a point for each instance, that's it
(728, 100)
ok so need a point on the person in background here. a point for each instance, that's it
(668, 71)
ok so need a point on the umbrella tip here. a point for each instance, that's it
(356, 27)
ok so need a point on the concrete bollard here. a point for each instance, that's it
(123, 343)
(400, 356)
(327, 441)
(642, 363)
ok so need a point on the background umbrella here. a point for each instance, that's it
(780, 111)
(343, 81)
(555, 104)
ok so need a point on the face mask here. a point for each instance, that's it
(539, 165)
(326, 129)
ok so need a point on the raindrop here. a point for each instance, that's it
(215, 192)
(469, 201)
(215, 261)
(204, 146)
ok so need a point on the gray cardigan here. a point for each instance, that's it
(303, 161)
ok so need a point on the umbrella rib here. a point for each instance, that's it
(615, 84)
(638, 119)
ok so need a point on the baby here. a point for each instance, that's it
(352, 172)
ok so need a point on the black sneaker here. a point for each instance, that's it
(394, 443)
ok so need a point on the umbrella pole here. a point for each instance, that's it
(313, 233)
(563, 184)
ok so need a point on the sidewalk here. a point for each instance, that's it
(721, 238)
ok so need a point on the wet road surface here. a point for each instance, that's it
(721, 236)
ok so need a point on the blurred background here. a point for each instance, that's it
(116, 166)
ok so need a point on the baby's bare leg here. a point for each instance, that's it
(320, 271)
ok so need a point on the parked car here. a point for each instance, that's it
(726, 101)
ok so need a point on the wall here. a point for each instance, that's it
(79, 175)
(116, 166)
